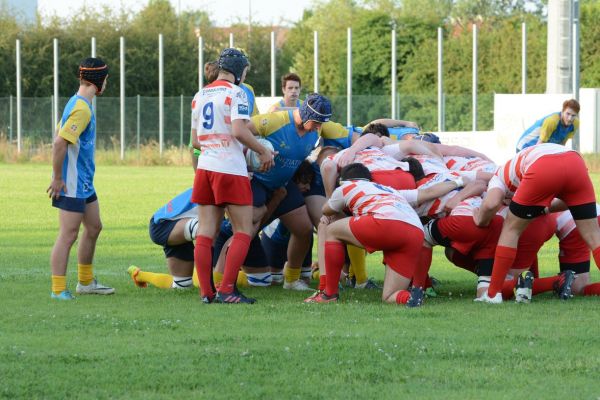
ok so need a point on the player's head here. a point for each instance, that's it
(291, 86)
(414, 168)
(570, 110)
(211, 71)
(427, 137)
(235, 62)
(304, 175)
(354, 172)
(316, 109)
(94, 71)
(376, 129)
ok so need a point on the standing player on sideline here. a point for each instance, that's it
(219, 121)
(291, 85)
(72, 187)
(557, 127)
(532, 179)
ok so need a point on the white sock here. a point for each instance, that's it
(181, 282)
(190, 229)
(260, 279)
(276, 278)
(306, 273)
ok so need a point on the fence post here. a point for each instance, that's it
(440, 94)
(93, 54)
(181, 122)
(523, 58)
(138, 124)
(19, 99)
(10, 119)
(349, 80)
(394, 74)
(200, 63)
(273, 66)
(122, 94)
(230, 39)
(474, 77)
(55, 98)
(161, 94)
(316, 61)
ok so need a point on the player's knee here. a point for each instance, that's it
(93, 230)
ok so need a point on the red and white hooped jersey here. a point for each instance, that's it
(374, 159)
(213, 109)
(363, 198)
(431, 165)
(435, 208)
(456, 163)
(565, 222)
(510, 174)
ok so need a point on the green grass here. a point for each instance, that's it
(153, 343)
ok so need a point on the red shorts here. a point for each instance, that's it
(573, 249)
(562, 175)
(218, 189)
(396, 178)
(467, 238)
(401, 246)
(538, 232)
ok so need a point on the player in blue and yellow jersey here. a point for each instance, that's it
(556, 128)
(291, 85)
(294, 134)
(72, 186)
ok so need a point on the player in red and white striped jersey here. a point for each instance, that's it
(375, 209)
(532, 179)
(219, 116)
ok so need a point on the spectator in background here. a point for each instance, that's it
(291, 85)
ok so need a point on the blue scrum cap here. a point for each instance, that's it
(427, 137)
(233, 61)
(315, 108)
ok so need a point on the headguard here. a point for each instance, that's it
(233, 61)
(94, 71)
(427, 137)
(315, 108)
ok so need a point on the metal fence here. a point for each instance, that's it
(142, 116)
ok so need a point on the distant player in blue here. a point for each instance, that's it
(291, 86)
(294, 134)
(72, 186)
(556, 128)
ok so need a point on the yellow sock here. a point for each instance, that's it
(162, 281)
(195, 281)
(242, 279)
(291, 274)
(85, 273)
(59, 283)
(357, 263)
(217, 278)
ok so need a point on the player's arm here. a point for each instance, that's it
(266, 211)
(68, 132)
(439, 189)
(244, 135)
(392, 123)
(367, 140)
(459, 151)
(329, 174)
(490, 205)
(473, 188)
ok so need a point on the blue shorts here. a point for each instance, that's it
(276, 252)
(316, 189)
(72, 203)
(159, 234)
(255, 257)
(261, 195)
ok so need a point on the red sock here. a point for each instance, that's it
(503, 260)
(203, 261)
(593, 289)
(335, 256)
(534, 269)
(322, 282)
(596, 255)
(402, 297)
(422, 272)
(508, 289)
(238, 249)
(542, 285)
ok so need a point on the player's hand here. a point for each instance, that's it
(267, 159)
(327, 219)
(451, 204)
(346, 158)
(56, 186)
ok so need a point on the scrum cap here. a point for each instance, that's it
(94, 71)
(315, 108)
(233, 61)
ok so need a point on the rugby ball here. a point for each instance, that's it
(252, 159)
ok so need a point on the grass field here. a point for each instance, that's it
(148, 343)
